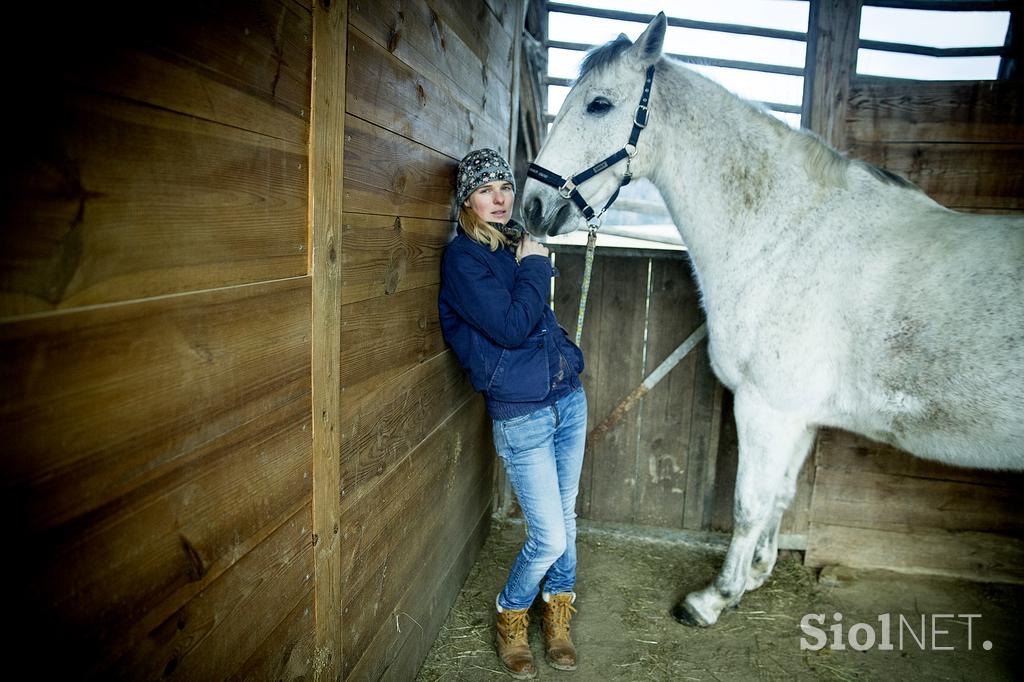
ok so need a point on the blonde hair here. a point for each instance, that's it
(480, 230)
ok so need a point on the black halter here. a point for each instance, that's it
(568, 188)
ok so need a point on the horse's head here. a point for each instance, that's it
(595, 120)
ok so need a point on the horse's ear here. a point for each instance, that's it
(647, 48)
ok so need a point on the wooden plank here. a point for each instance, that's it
(127, 201)
(417, 35)
(725, 474)
(616, 313)
(935, 111)
(213, 635)
(261, 48)
(287, 654)
(387, 254)
(489, 34)
(955, 175)
(383, 337)
(845, 451)
(966, 555)
(833, 34)
(673, 315)
(704, 439)
(361, 197)
(105, 580)
(383, 425)
(97, 403)
(397, 653)
(176, 85)
(505, 11)
(904, 504)
(327, 156)
(389, 93)
(409, 543)
(383, 164)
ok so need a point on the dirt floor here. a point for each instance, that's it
(623, 630)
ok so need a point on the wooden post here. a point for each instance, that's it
(832, 38)
(326, 151)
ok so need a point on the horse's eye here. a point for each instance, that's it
(599, 106)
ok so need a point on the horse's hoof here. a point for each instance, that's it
(684, 615)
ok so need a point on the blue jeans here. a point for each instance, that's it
(543, 456)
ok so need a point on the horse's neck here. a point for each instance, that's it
(722, 171)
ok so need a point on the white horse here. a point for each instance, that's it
(836, 294)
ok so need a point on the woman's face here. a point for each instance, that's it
(493, 201)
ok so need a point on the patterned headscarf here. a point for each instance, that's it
(479, 167)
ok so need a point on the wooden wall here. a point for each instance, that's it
(426, 83)
(219, 220)
(963, 143)
(155, 340)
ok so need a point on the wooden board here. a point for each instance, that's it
(327, 153)
(955, 175)
(705, 426)
(241, 64)
(930, 112)
(386, 336)
(221, 631)
(380, 164)
(665, 446)
(388, 254)
(383, 425)
(98, 403)
(845, 451)
(905, 504)
(405, 542)
(421, 38)
(124, 201)
(614, 350)
(288, 653)
(389, 93)
(966, 555)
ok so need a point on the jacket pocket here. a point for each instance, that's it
(522, 374)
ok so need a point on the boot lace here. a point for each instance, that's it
(559, 613)
(516, 623)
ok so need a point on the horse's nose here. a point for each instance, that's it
(534, 211)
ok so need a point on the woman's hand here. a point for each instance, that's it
(528, 246)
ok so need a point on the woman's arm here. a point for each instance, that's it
(506, 317)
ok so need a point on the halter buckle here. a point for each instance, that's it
(567, 189)
(637, 116)
(630, 152)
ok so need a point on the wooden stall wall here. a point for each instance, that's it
(426, 83)
(154, 334)
(963, 143)
(168, 337)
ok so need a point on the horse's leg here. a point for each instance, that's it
(767, 549)
(772, 446)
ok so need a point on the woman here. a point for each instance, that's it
(494, 313)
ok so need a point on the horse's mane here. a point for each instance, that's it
(828, 166)
(600, 57)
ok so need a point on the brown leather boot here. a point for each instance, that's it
(558, 610)
(513, 645)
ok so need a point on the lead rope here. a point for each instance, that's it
(588, 265)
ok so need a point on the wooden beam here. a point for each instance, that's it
(676, 22)
(327, 153)
(834, 28)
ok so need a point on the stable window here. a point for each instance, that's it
(916, 41)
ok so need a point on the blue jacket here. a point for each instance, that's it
(495, 315)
